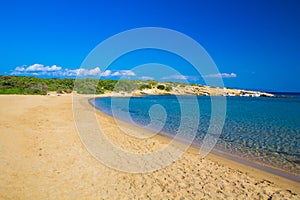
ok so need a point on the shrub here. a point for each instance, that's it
(161, 87)
(152, 82)
(125, 86)
(145, 86)
(168, 88)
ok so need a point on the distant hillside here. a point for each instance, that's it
(41, 86)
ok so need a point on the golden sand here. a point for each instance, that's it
(42, 157)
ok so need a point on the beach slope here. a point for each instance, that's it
(42, 157)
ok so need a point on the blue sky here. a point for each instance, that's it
(255, 44)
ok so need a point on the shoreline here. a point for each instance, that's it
(217, 151)
(283, 181)
(42, 157)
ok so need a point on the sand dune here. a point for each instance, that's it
(42, 157)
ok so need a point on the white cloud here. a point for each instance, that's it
(221, 75)
(42, 68)
(116, 74)
(54, 70)
(179, 77)
(106, 73)
(35, 68)
(123, 73)
(146, 78)
(89, 72)
(19, 69)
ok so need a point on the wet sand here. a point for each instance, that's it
(42, 157)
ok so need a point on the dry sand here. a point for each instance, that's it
(42, 157)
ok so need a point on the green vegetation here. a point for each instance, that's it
(168, 88)
(126, 86)
(32, 85)
(161, 87)
(23, 85)
(152, 83)
(194, 84)
(40, 86)
(87, 86)
(145, 86)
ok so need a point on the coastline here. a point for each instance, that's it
(43, 157)
(216, 153)
(267, 167)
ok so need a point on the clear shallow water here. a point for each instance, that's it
(265, 130)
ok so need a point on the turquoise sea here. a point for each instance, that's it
(257, 129)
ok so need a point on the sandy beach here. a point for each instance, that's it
(42, 157)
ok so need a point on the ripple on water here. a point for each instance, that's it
(265, 130)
